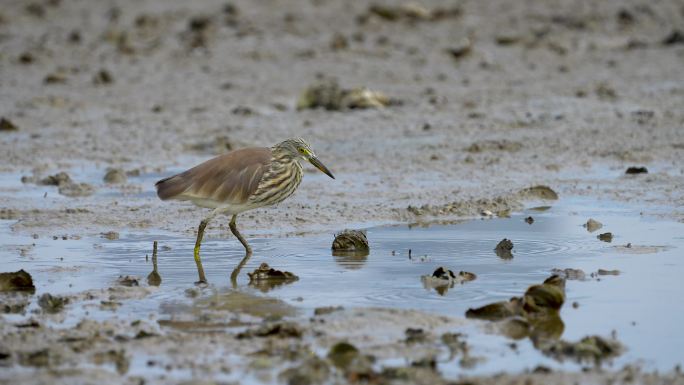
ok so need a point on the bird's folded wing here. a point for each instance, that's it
(229, 179)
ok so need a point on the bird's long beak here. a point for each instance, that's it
(320, 166)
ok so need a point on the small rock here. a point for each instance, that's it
(52, 304)
(592, 225)
(330, 96)
(461, 49)
(327, 310)
(103, 77)
(59, 179)
(111, 235)
(538, 192)
(504, 249)
(265, 272)
(675, 37)
(76, 190)
(343, 354)
(274, 329)
(312, 371)
(128, 280)
(592, 349)
(605, 237)
(351, 240)
(7, 125)
(115, 176)
(339, 42)
(55, 78)
(608, 272)
(497, 310)
(16, 281)
(529, 220)
(545, 298)
(570, 274)
(636, 170)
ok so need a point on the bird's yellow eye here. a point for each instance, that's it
(302, 151)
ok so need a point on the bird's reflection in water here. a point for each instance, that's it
(154, 279)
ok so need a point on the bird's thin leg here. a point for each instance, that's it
(234, 230)
(200, 234)
(248, 250)
(198, 261)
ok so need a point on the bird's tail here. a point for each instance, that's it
(171, 187)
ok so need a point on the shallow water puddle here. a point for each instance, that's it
(641, 305)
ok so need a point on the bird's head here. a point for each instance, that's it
(299, 148)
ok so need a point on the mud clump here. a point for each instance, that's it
(570, 274)
(538, 192)
(409, 12)
(59, 179)
(539, 301)
(327, 310)
(7, 125)
(636, 170)
(605, 237)
(266, 278)
(675, 37)
(497, 310)
(14, 303)
(330, 96)
(494, 145)
(103, 77)
(545, 298)
(312, 371)
(461, 49)
(115, 176)
(128, 281)
(52, 304)
(529, 220)
(351, 241)
(592, 225)
(111, 235)
(442, 279)
(608, 272)
(66, 186)
(17, 281)
(589, 349)
(117, 357)
(504, 249)
(274, 329)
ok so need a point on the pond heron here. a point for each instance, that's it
(239, 181)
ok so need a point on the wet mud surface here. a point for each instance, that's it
(427, 113)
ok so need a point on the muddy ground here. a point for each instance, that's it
(493, 97)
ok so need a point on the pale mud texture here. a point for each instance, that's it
(562, 93)
(229, 337)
